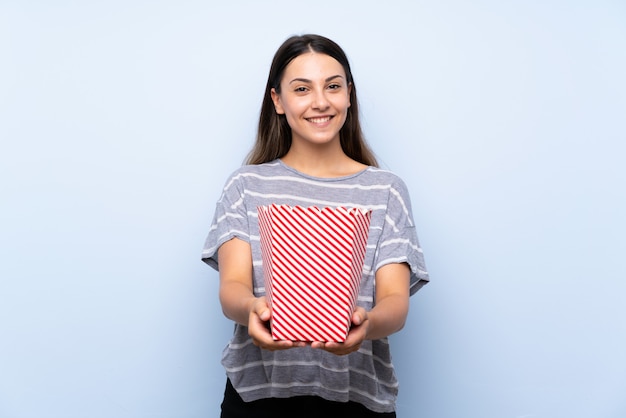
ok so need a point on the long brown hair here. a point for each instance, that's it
(274, 134)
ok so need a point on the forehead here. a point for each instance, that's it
(313, 66)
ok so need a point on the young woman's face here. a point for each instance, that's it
(314, 97)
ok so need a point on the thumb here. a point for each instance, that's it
(262, 309)
(265, 315)
(359, 316)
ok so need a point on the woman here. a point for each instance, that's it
(310, 152)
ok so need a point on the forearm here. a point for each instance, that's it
(392, 301)
(236, 296)
(387, 317)
(237, 301)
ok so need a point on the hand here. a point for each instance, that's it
(356, 335)
(259, 330)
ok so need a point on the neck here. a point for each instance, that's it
(328, 162)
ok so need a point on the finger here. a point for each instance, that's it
(262, 309)
(264, 315)
(281, 345)
(318, 344)
(359, 316)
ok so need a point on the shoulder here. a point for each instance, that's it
(269, 168)
(254, 171)
(398, 196)
(382, 176)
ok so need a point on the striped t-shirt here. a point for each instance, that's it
(365, 376)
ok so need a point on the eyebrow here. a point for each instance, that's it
(306, 80)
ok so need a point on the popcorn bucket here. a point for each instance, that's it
(312, 266)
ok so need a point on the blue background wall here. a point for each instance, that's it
(120, 121)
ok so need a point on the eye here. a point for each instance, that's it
(300, 89)
(334, 86)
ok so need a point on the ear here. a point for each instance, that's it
(276, 99)
(349, 94)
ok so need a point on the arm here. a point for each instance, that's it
(237, 297)
(388, 315)
(392, 301)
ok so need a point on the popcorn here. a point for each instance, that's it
(312, 263)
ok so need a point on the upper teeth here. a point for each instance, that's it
(320, 120)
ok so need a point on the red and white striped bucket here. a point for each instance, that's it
(312, 263)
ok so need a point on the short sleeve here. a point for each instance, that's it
(229, 221)
(399, 242)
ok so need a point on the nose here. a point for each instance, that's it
(320, 101)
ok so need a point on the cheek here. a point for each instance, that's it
(343, 102)
(292, 114)
(296, 108)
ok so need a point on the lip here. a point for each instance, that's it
(320, 120)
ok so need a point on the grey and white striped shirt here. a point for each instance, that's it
(366, 376)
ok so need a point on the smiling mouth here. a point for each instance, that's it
(320, 120)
